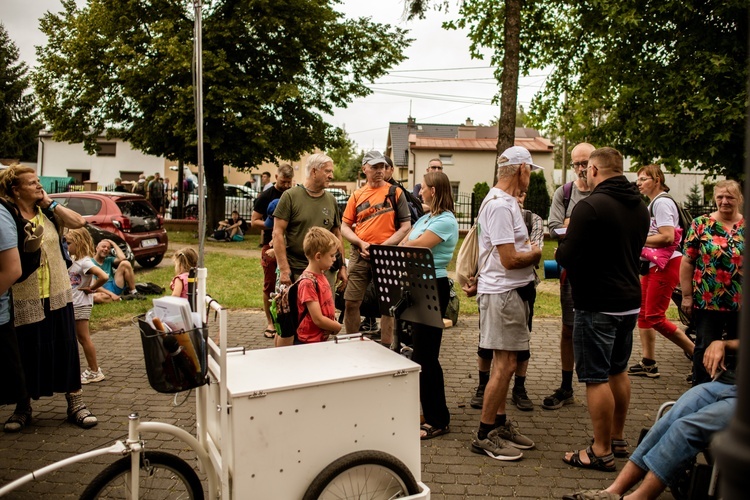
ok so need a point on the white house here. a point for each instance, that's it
(115, 158)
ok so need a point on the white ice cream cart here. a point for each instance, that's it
(329, 420)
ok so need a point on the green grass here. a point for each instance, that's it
(236, 282)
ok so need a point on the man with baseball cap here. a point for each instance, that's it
(368, 219)
(506, 278)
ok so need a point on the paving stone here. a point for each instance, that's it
(448, 466)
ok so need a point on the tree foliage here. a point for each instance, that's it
(537, 196)
(662, 82)
(19, 122)
(346, 162)
(270, 70)
(517, 31)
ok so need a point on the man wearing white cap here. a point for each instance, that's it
(368, 219)
(506, 275)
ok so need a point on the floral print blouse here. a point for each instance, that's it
(717, 255)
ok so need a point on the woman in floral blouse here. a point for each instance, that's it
(712, 269)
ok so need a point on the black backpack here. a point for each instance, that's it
(284, 309)
(29, 249)
(415, 206)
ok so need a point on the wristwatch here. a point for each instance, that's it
(51, 206)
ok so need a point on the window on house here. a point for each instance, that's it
(130, 176)
(79, 176)
(454, 189)
(446, 159)
(106, 149)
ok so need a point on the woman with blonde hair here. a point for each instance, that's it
(657, 285)
(711, 273)
(43, 305)
(438, 231)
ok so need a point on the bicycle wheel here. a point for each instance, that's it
(363, 475)
(162, 476)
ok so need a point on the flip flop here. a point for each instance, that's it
(269, 334)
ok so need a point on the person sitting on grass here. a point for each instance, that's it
(120, 273)
(315, 305)
(234, 227)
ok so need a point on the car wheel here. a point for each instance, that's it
(151, 261)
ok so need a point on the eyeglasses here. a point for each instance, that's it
(435, 167)
(577, 164)
(643, 179)
(587, 167)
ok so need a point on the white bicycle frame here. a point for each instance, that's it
(134, 445)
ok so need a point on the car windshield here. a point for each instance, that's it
(142, 215)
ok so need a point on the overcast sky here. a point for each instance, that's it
(437, 83)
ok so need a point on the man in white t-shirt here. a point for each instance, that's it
(506, 273)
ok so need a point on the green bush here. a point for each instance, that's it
(480, 192)
(537, 196)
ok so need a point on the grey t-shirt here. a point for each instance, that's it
(8, 240)
(557, 212)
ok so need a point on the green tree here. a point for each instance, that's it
(517, 31)
(270, 71)
(663, 82)
(537, 195)
(19, 122)
(480, 192)
(694, 199)
(346, 162)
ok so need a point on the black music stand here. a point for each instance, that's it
(405, 284)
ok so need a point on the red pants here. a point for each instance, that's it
(656, 292)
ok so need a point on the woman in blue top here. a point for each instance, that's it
(437, 231)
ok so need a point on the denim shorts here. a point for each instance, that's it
(602, 344)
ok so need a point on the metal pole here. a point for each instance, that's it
(199, 126)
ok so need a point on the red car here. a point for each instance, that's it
(128, 215)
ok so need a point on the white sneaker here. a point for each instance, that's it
(88, 376)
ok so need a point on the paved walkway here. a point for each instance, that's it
(449, 468)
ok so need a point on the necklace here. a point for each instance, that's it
(311, 191)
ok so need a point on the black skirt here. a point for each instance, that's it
(49, 353)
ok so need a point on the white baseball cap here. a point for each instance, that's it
(517, 155)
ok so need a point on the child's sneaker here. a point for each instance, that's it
(88, 376)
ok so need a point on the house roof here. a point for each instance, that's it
(398, 137)
(403, 136)
(536, 144)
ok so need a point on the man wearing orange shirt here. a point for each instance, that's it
(370, 219)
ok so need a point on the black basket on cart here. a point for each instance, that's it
(175, 361)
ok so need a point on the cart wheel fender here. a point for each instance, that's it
(355, 459)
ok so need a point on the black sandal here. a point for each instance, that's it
(431, 432)
(269, 334)
(604, 464)
(18, 421)
(620, 448)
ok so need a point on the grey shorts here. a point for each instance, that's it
(503, 322)
(566, 303)
(82, 312)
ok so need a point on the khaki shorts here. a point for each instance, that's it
(360, 275)
(503, 322)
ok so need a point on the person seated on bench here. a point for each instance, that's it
(120, 274)
(681, 433)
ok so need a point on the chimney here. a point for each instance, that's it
(411, 123)
(468, 130)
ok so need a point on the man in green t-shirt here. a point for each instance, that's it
(300, 208)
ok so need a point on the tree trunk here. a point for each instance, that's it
(214, 171)
(506, 126)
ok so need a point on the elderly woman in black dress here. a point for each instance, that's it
(43, 308)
